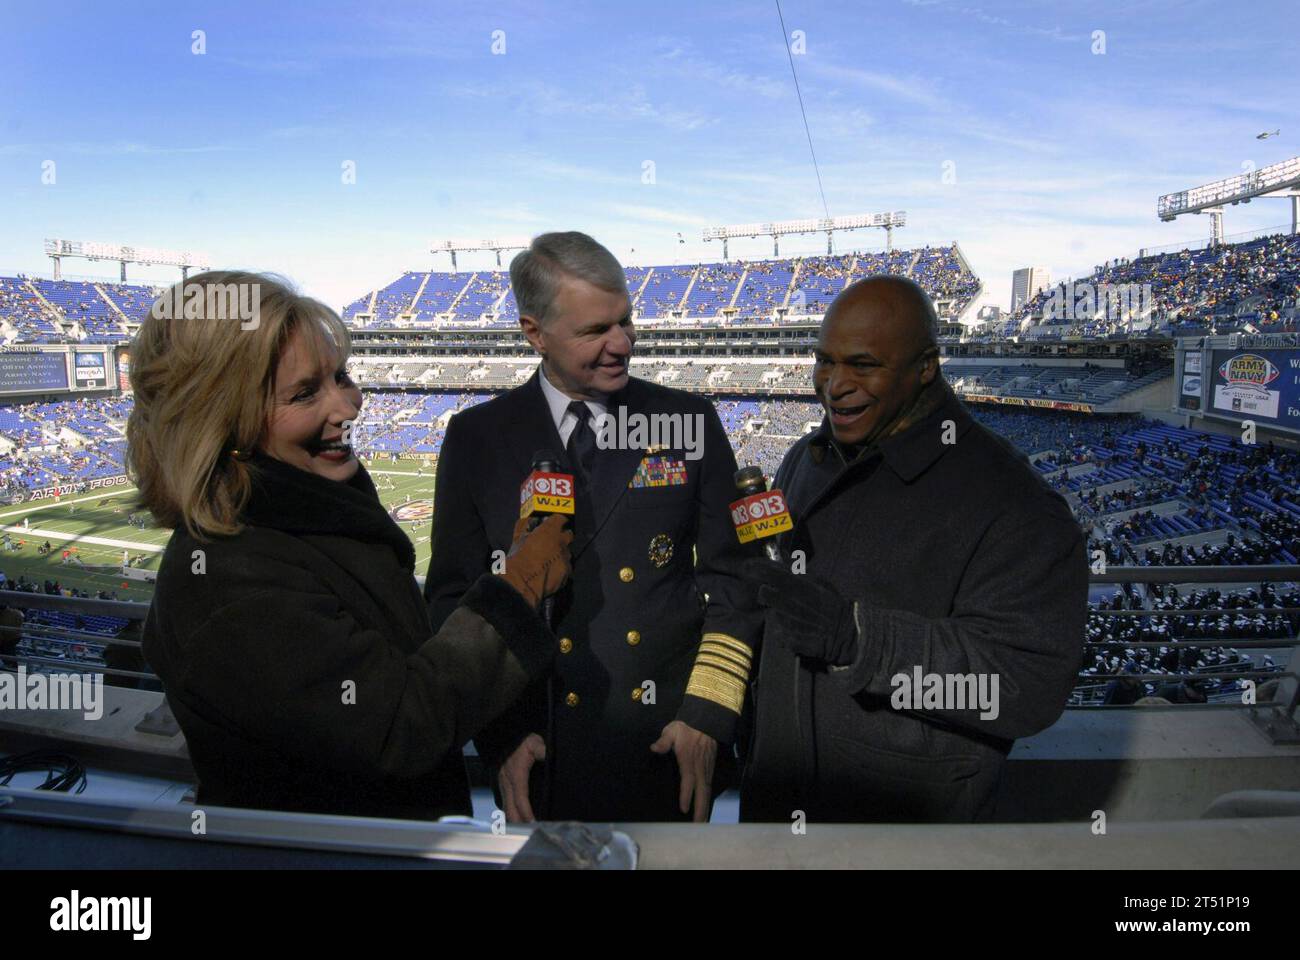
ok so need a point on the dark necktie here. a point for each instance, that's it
(581, 447)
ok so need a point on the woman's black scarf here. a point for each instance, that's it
(299, 502)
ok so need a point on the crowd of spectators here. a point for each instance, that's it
(23, 310)
(68, 441)
(1250, 286)
(766, 286)
(1141, 493)
(1240, 496)
(1173, 644)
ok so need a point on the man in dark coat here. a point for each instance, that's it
(932, 600)
(655, 631)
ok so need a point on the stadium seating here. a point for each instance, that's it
(80, 302)
(706, 293)
(1252, 286)
(66, 441)
(1144, 492)
(133, 300)
(24, 316)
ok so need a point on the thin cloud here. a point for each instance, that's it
(1055, 33)
(537, 97)
(659, 215)
(116, 148)
(906, 90)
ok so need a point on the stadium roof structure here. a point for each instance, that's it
(464, 246)
(56, 250)
(828, 225)
(1277, 180)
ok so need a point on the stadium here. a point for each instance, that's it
(1159, 393)
(1154, 478)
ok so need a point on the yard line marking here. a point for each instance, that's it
(37, 533)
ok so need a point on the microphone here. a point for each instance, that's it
(545, 490)
(759, 513)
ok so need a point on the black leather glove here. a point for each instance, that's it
(805, 613)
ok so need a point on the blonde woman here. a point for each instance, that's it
(287, 626)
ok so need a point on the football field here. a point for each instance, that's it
(93, 529)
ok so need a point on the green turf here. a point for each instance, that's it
(104, 515)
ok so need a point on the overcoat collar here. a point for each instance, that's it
(916, 449)
(302, 503)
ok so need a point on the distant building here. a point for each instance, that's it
(990, 312)
(1026, 282)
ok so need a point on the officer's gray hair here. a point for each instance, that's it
(536, 272)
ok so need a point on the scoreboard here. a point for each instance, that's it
(1241, 378)
(55, 369)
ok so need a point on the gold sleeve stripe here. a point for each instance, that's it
(729, 641)
(726, 648)
(725, 660)
(712, 684)
(741, 670)
(721, 670)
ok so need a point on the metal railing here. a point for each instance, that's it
(1277, 716)
(35, 633)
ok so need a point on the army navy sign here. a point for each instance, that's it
(1261, 385)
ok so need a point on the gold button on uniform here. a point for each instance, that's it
(636, 693)
(571, 700)
(565, 644)
(626, 575)
(633, 638)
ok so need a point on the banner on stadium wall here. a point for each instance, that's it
(89, 369)
(380, 457)
(1029, 402)
(32, 371)
(124, 370)
(1259, 385)
(1193, 379)
(63, 489)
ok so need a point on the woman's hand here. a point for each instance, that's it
(538, 562)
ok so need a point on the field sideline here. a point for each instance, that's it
(103, 516)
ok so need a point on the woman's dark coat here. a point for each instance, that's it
(299, 659)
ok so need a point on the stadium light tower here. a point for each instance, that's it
(777, 230)
(56, 250)
(1276, 181)
(467, 246)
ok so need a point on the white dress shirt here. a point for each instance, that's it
(565, 419)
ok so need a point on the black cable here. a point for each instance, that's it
(785, 38)
(63, 772)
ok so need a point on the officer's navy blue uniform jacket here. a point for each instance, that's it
(644, 560)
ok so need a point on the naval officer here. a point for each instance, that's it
(655, 633)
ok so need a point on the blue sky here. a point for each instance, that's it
(1059, 153)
